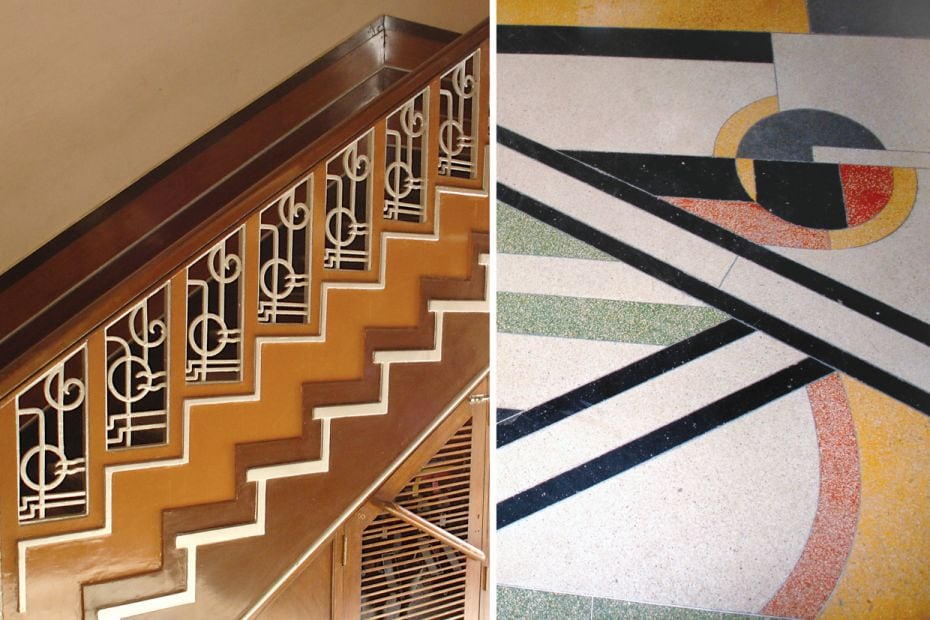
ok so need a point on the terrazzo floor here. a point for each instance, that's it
(713, 350)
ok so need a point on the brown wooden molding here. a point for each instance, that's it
(170, 578)
(57, 296)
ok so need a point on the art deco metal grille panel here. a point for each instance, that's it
(405, 161)
(137, 379)
(458, 128)
(284, 260)
(348, 206)
(214, 313)
(52, 442)
(406, 573)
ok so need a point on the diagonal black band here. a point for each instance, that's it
(505, 414)
(792, 336)
(849, 297)
(636, 42)
(658, 441)
(521, 424)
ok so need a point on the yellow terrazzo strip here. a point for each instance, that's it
(754, 15)
(888, 569)
(887, 220)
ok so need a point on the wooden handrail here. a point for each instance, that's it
(36, 329)
(434, 531)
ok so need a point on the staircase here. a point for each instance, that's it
(204, 439)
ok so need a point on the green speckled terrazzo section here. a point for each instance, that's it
(605, 609)
(602, 319)
(521, 604)
(524, 604)
(518, 233)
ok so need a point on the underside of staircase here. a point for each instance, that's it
(308, 344)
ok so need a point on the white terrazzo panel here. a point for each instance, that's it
(639, 105)
(533, 369)
(575, 277)
(845, 329)
(717, 523)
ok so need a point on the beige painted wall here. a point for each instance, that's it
(94, 94)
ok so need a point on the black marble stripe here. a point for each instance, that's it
(817, 282)
(504, 415)
(685, 176)
(658, 441)
(811, 345)
(636, 42)
(521, 424)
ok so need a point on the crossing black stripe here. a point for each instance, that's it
(849, 297)
(504, 414)
(635, 42)
(521, 424)
(661, 440)
(792, 336)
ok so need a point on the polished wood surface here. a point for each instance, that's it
(306, 587)
(310, 595)
(469, 409)
(299, 509)
(47, 305)
(304, 442)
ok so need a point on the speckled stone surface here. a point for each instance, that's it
(524, 604)
(518, 233)
(810, 504)
(601, 319)
(526, 375)
(578, 277)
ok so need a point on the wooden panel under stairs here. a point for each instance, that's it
(382, 566)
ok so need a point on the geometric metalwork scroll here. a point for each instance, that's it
(458, 128)
(284, 260)
(137, 364)
(348, 206)
(214, 313)
(52, 443)
(405, 171)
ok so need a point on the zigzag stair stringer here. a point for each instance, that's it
(304, 447)
(24, 546)
(261, 476)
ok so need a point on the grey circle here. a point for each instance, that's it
(791, 135)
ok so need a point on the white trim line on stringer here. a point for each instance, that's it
(261, 475)
(23, 546)
(365, 494)
(188, 596)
